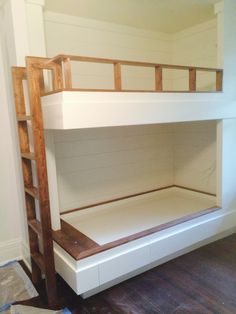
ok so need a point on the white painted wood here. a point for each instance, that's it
(96, 38)
(34, 12)
(195, 157)
(52, 180)
(82, 279)
(156, 263)
(219, 169)
(157, 248)
(99, 164)
(219, 12)
(83, 36)
(65, 268)
(137, 214)
(121, 265)
(13, 47)
(87, 110)
(187, 50)
(228, 163)
(10, 250)
(92, 37)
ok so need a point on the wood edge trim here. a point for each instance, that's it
(193, 190)
(147, 232)
(128, 91)
(61, 57)
(134, 195)
(110, 245)
(116, 199)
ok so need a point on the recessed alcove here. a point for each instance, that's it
(118, 184)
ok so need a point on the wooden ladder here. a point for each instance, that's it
(36, 190)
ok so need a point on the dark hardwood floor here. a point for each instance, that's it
(203, 281)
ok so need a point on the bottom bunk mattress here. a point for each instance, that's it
(134, 215)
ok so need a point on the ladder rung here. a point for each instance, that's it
(38, 259)
(23, 118)
(35, 225)
(29, 155)
(32, 191)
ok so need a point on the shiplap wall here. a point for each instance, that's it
(194, 153)
(78, 36)
(100, 164)
(196, 46)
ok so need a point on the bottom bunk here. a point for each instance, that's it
(111, 242)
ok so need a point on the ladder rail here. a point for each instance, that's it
(40, 231)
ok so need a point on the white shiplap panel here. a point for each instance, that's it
(106, 163)
(70, 35)
(98, 164)
(195, 155)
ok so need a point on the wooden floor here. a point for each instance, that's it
(203, 281)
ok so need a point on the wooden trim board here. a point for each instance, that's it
(79, 245)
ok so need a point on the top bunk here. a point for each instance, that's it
(171, 93)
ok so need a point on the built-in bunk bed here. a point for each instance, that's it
(161, 193)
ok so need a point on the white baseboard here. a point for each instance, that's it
(26, 254)
(10, 250)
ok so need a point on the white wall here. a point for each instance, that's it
(78, 36)
(101, 164)
(196, 46)
(94, 165)
(10, 228)
(15, 44)
(195, 155)
(108, 163)
(12, 52)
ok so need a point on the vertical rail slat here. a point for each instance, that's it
(192, 80)
(158, 79)
(67, 73)
(57, 76)
(219, 81)
(64, 79)
(117, 76)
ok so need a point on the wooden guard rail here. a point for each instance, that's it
(65, 62)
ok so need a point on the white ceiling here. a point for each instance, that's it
(159, 15)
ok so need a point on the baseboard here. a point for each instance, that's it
(10, 250)
(26, 254)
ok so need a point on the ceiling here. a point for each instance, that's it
(168, 16)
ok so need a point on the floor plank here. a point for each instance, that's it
(200, 282)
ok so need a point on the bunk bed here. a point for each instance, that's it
(106, 241)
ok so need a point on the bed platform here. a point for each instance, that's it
(121, 221)
(100, 246)
(117, 236)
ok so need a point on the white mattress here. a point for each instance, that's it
(113, 221)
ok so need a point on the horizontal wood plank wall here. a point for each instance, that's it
(196, 46)
(106, 40)
(95, 165)
(194, 158)
(99, 164)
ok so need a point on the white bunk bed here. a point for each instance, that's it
(112, 236)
